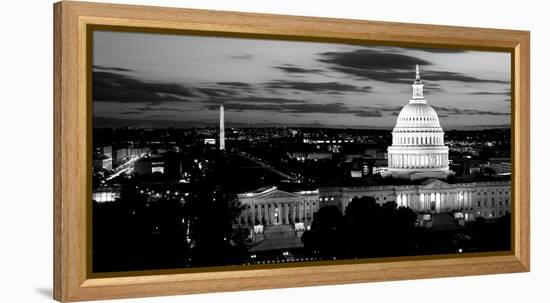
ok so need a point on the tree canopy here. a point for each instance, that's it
(367, 229)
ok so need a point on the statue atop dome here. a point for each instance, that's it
(418, 88)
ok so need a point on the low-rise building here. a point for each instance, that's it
(102, 161)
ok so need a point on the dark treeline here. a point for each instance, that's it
(367, 229)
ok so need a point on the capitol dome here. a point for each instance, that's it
(417, 115)
(418, 149)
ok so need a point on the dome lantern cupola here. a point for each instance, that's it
(418, 88)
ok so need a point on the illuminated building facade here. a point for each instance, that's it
(101, 161)
(474, 199)
(106, 194)
(273, 206)
(277, 218)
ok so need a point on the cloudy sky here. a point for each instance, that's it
(157, 80)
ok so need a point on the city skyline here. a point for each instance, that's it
(154, 80)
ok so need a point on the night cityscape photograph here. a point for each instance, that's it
(216, 151)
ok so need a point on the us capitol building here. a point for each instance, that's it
(418, 153)
(418, 150)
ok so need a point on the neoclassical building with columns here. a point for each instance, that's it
(272, 206)
(468, 200)
(277, 218)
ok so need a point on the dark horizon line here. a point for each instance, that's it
(466, 128)
(107, 122)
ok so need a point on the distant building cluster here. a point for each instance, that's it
(109, 158)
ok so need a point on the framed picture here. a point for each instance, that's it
(203, 151)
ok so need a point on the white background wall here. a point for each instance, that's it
(26, 150)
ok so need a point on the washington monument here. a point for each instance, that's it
(222, 129)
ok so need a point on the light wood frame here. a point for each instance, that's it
(72, 128)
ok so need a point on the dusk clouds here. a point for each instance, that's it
(164, 79)
(113, 86)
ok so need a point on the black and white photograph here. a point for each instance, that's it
(213, 151)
